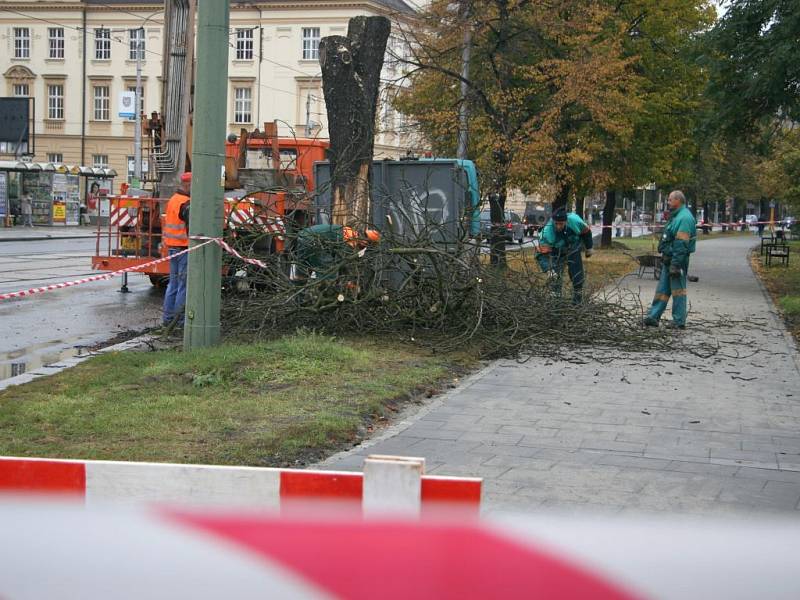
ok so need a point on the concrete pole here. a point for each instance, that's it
(204, 285)
(137, 134)
(463, 111)
(308, 115)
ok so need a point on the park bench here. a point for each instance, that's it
(779, 251)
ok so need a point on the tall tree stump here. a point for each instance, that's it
(351, 70)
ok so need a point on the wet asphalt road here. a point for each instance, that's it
(47, 327)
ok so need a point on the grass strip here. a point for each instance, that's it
(289, 401)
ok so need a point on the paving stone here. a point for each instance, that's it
(768, 474)
(549, 434)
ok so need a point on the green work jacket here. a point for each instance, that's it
(679, 238)
(554, 245)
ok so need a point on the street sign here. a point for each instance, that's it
(127, 105)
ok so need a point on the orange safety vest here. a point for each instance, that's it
(176, 232)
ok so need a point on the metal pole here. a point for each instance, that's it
(308, 116)
(202, 327)
(137, 139)
(463, 111)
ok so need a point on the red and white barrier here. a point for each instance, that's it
(122, 216)
(57, 550)
(388, 484)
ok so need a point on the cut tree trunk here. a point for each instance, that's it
(608, 218)
(351, 68)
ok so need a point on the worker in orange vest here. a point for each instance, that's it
(175, 236)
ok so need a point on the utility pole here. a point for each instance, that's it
(204, 284)
(463, 111)
(137, 134)
(308, 116)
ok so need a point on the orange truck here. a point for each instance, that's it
(132, 235)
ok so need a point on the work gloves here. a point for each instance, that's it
(589, 252)
(551, 275)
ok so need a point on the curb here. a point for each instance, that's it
(62, 365)
(408, 420)
(44, 238)
(776, 315)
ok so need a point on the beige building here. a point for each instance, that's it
(76, 58)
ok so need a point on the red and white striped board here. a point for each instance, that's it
(59, 550)
(103, 482)
(245, 214)
(122, 216)
(272, 225)
(240, 215)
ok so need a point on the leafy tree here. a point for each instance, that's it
(549, 90)
(754, 63)
(779, 172)
(663, 35)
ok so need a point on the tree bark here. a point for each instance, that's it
(608, 218)
(351, 68)
(562, 198)
(580, 206)
(497, 241)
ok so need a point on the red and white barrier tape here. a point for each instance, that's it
(224, 245)
(66, 284)
(662, 224)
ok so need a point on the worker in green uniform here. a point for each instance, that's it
(560, 243)
(677, 243)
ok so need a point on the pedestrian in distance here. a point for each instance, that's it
(26, 208)
(677, 243)
(618, 224)
(176, 237)
(760, 225)
(560, 244)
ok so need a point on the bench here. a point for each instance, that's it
(766, 240)
(779, 251)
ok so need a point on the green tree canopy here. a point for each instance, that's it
(754, 63)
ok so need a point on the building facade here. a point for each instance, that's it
(76, 58)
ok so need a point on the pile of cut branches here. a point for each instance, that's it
(418, 287)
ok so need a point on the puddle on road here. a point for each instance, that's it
(23, 360)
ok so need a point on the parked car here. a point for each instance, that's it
(512, 224)
(751, 220)
(534, 222)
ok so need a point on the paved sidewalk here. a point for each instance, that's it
(720, 437)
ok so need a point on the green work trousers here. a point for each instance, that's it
(574, 264)
(674, 286)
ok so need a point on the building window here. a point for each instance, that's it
(244, 44)
(132, 88)
(243, 105)
(21, 90)
(136, 44)
(56, 36)
(55, 157)
(102, 103)
(55, 101)
(310, 43)
(102, 44)
(387, 117)
(22, 42)
(100, 161)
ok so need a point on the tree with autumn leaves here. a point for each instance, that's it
(574, 97)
